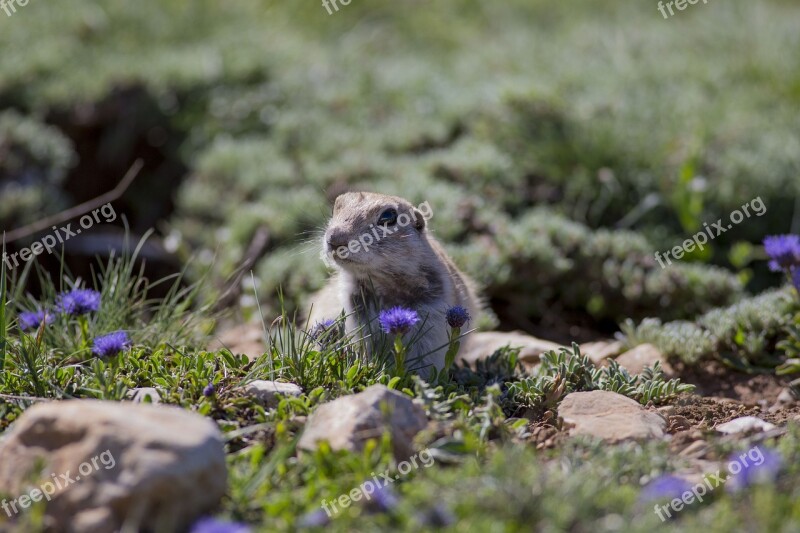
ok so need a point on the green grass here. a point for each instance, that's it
(745, 335)
(485, 474)
(603, 113)
(560, 144)
(4, 322)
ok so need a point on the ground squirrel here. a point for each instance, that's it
(385, 256)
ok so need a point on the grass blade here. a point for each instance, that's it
(3, 318)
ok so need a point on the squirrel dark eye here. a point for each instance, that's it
(388, 218)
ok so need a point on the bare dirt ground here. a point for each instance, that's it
(721, 395)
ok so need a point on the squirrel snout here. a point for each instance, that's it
(336, 240)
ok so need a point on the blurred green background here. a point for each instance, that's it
(560, 144)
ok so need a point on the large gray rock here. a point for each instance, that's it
(269, 393)
(348, 422)
(144, 395)
(599, 351)
(635, 360)
(785, 399)
(247, 339)
(610, 417)
(745, 424)
(153, 467)
(481, 344)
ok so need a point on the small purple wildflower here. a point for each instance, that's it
(323, 325)
(385, 499)
(33, 319)
(78, 301)
(209, 390)
(398, 320)
(437, 517)
(318, 518)
(324, 332)
(213, 525)
(665, 487)
(764, 468)
(457, 316)
(783, 250)
(111, 344)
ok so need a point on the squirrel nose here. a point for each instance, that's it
(336, 239)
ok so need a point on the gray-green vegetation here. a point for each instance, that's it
(560, 145)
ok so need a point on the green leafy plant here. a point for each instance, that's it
(568, 371)
(742, 335)
(4, 325)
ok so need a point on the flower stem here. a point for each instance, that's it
(399, 355)
(84, 323)
(452, 350)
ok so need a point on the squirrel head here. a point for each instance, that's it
(374, 235)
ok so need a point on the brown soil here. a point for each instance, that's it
(545, 436)
(683, 439)
(783, 415)
(691, 413)
(706, 413)
(715, 379)
(721, 395)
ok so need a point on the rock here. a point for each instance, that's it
(269, 393)
(678, 423)
(348, 422)
(697, 471)
(599, 351)
(697, 449)
(144, 395)
(666, 411)
(644, 355)
(152, 467)
(481, 344)
(744, 424)
(785, 399)
(247, 339)
(609, 416)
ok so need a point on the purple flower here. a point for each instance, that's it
(665, 487)
(323, 325)
(324, 332)
(111, 344)
(437, 517)
(754, 466)
(33, 319)
(398, 320)
(78, 301)
(457, 316)
(209, 390)
(213, 525)
(796, 278)
(384, 498)
(783, 250)
(318, 518)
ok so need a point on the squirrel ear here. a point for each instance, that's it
(337, 205)
(419, 220)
